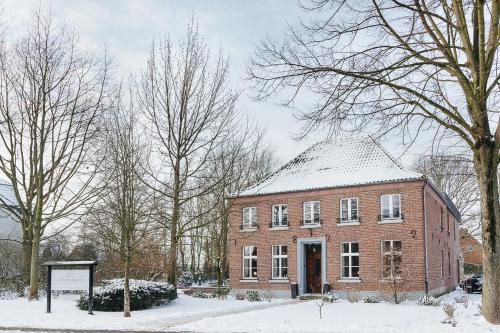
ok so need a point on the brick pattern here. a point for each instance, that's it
(368, 234)
(471, 249)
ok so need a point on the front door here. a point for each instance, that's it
(313, 268)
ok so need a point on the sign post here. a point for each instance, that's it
(70, 275)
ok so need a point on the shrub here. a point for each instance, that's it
(462, 299)
(371, 299)
(352, 295)
(449, 310)
(188, 292)
(253, 296)
(143, 295)
(330, 297)
(185, 279)
(239, 296)
(428, 300)
(200, 294)
(221, 292)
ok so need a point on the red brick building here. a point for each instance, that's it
(471, 249)
(346, 214)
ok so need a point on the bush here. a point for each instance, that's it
(185, 279)
(253, 296)
(449, 310)
(330, 297)
(352, 295)
(371, 299)
(221, 292)
(188, 292)
(239, 296)
(428, 300)
(143, 295)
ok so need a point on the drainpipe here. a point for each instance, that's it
(425, 238)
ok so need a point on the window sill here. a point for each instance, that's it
(249, 280)
(279, 281)
(248, 230)
(390, 221)
(280, 228)
(341, 224)
(310, 226)
(347, 280)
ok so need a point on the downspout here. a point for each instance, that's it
(425, 239)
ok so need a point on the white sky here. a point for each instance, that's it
(128, 28)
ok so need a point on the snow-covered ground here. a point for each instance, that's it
(343, 316)
(20, 313)
(213, 315)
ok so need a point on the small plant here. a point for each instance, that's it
(201, 294)
(464, 299)
(449, 310)
(352, 295)
(330, 297)
(371, 299)
(253, 296)
(189, 292)
(239, 296)
(221, 292)
(428, 300)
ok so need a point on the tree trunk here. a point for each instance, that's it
(126, 290)
(33, 292)
(27, 248)
(174, 239)
(486, 164)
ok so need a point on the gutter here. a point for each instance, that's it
(425, 239)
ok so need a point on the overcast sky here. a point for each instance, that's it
(128, 28)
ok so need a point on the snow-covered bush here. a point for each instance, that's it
(449, 310)
(185, 279)
(221, 292)
(352, 295)
(464, 299)
(239, 296)
(143, 295)
(371, 299)
(201, 294)
(253, 296)
(428, 300)
(330, 297)
(8, 294)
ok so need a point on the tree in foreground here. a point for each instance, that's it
(406, 66)
(186, 97)
(51, 97)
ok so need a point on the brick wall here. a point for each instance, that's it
(471, 249)
(369, 234)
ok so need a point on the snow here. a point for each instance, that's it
(342, 316)
(334, 163)
(20, 313)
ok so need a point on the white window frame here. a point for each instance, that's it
(279, 256)
(383, 252)
(250, 267)
(349, 254)
(311, 217)
(391, 207)
(247, 211)
(279, 223)
(349, 210)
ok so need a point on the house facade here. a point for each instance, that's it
(472, 251)
(343, 215)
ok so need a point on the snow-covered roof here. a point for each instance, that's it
(334, 163)
(7, 193)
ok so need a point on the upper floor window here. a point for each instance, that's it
(249, 218)
(249, 262)
(350, 260)
(311, 212)
(280, 262)
(391, 259)
(348, 209)
(390, 206)
(280, 215)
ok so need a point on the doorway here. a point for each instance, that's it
(313, 268)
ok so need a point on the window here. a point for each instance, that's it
(249, 262)
(311, 212)
(348, 209)
(249, 217)
(280, 262)
(391, 259)
(280, 215)
(469, 247)
(350, 260)
(390, 206)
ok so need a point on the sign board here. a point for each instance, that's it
(70, 279)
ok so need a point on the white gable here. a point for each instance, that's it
(334, 163)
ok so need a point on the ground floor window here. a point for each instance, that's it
(350, 260)
(391, 258)
(249, 262)
(280, 262)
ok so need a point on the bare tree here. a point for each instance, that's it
(51, 96)
(404, 66)
(122, 217)
(191, 109)
(454, 175)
